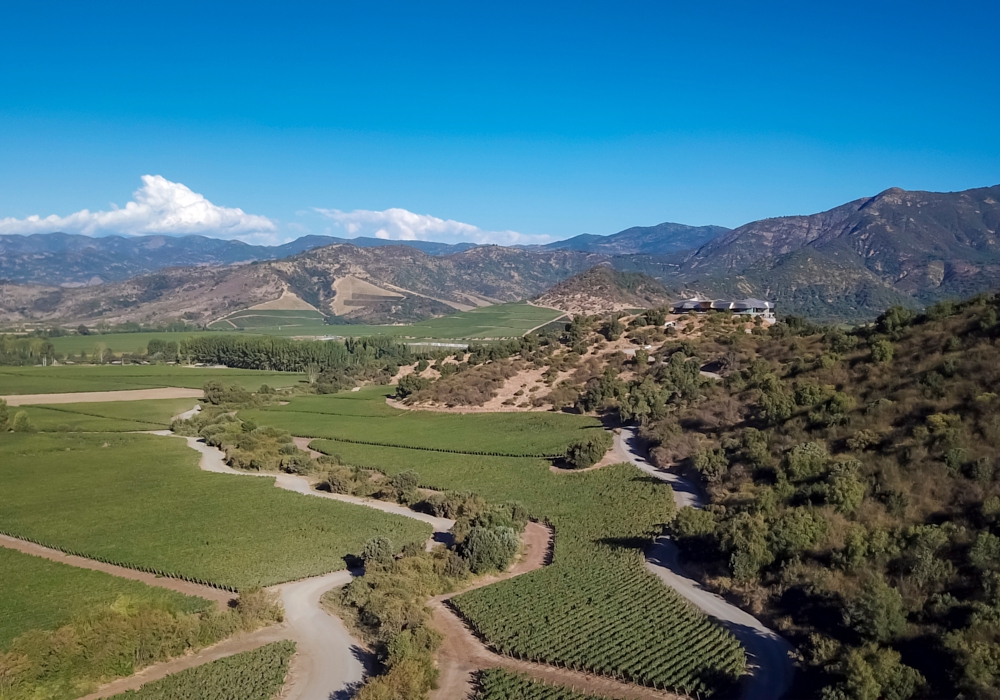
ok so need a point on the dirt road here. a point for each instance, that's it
(103, 396)
(769, 655)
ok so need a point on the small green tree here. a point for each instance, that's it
(378, 551)
(4, 414)
(877, 614)
(412, 383)
(588, 451)
(21, 423)
(489, 549)
(882, 351)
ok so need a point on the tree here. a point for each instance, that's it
(378, 551)
(588, 451)
(411, 384)
(877, 614)
(711, 464)
(489, 549)
(4, 414)
(882, 351)
(21, 423)
(82, 330)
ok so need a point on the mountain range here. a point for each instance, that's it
(847, 264)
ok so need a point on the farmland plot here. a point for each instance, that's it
(252, 675)
(39, 594)
(498, 684)
(65, 379)
(112, 417)
(141, 501)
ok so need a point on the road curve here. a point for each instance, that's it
(768, 654)
(330, 662)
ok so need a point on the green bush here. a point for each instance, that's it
(588, 451)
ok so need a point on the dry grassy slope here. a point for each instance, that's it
(603, 289)
(203, 294)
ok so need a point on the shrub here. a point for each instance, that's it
(588, 451)
(378, 551)
(21, 423)
(489, 549)
(711, 464)
(410, 384)
(882, 351)
(877, 613)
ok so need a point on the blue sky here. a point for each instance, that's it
(454, 121)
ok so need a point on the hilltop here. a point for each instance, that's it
(602, 289)
(913, 248)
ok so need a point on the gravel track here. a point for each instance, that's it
(769, 655)
(103, 396)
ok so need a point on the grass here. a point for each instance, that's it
(69, 379)
(274, 322)
(603, 520)
(252, 675)
(39, 594)
(113, 416)
(142, 501)
(368, 420)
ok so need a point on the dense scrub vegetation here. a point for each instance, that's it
(108, 641)
(498, 684)
(853, 485)
(252, 675)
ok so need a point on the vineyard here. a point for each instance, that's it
(120, 416)
(252, 675)
(506, 434)
(141, 501)
(607, 619)
(39, 594)
(63, 379)
(498, 684)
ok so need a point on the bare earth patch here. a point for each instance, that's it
(103, 396)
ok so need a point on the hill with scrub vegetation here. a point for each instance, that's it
(852, 477)
(603, 289)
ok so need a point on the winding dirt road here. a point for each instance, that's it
(330, 663)
(769, 655)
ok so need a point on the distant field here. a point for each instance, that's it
(500, 321)
(274, 321)
(252, 675)
(519, 434)
(120, 416)
(141, 500)
(64, 379)
(44, 595)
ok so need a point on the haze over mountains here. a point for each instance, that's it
(848, 263)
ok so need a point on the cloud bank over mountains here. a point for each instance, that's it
(159, 206)
(171, 208)
(402, 225)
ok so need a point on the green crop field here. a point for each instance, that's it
(39, 594)
(274, 322)
(252, 675)
(518, 434)
(112, 417)
(603, 520)
(498, 684)
(499, 321)
(142, 501)
(66, 379)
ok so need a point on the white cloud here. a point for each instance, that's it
(403, 225)
(159, 206)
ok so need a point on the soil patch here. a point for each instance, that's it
(101, 396)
